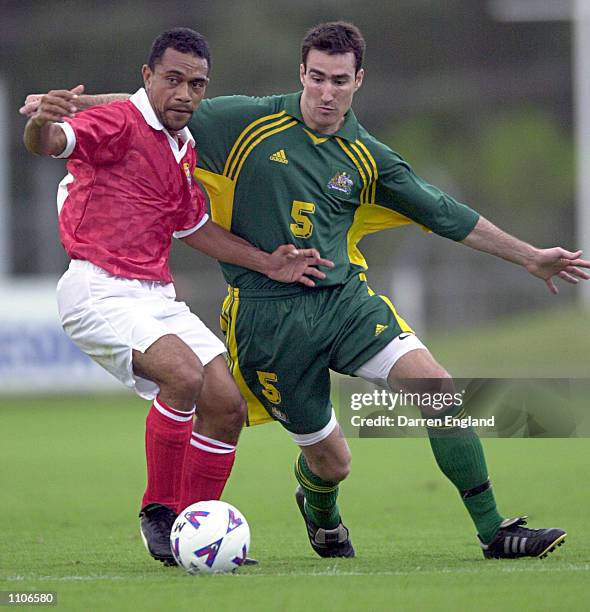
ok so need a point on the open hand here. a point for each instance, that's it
(288, 264)
(548, 263)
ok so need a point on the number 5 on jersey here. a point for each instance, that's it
(303, 227)
(272, 394)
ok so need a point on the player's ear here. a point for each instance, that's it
(358, 81)
(146, 72)
(301, 73)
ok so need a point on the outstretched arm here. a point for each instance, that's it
(542, 263)
(32, 102)
(286, 264)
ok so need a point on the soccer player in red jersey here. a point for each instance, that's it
(128, 191)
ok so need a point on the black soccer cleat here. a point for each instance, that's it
(326, 542)
(155, 526)
(513, 541)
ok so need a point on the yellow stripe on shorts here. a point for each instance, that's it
(257, 414)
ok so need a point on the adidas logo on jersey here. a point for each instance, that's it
(280, 157)
(380, 328)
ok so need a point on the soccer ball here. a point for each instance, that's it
(210, 537)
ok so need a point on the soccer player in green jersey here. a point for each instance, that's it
(300, 168)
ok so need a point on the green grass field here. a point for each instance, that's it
(72, 476)
(553, 344)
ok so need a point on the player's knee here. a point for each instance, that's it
(439, 381)
(340, 471)
(188, 381)
(332, 469)
(438, 397)
(236, 413)
(228, 416)
(336, 473)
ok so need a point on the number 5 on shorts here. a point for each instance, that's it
(269, 391)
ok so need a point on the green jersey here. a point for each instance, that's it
(272, 181)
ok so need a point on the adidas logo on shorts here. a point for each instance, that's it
(380, 328)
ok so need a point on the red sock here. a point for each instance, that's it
(207, 466)
(167, 433)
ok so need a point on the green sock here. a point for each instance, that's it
(459, 454)
(320, 496)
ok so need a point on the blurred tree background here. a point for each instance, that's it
(481, 108)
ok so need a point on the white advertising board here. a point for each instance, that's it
(36, 356)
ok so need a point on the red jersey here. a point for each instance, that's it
(129, 189)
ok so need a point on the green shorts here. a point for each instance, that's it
(281, 347)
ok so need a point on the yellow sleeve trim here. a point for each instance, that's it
(371, 159)
(235, 161)
(266, 134)
(368, 219)
(221, 196)
(230, 158)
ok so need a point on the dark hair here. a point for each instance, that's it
(183, 40)
(334, 37)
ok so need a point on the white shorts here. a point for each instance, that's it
(378, 367)
(108, 317)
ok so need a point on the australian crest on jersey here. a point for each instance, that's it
(341, 182)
